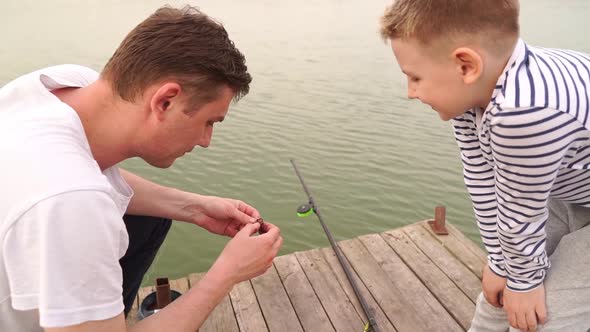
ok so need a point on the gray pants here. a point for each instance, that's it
(567, 285)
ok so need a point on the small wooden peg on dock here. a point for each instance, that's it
(163, 294)
(438, 223)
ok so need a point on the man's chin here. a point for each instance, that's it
(166, 163)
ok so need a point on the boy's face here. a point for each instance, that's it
(434, 79)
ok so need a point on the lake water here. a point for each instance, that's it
(326, 92)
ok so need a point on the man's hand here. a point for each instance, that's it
(492, 286)
(246, 256)
(525, 309)
(218, 215)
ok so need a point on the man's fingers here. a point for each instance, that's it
(271, 231)
(248, 210)
(249, 229)
(277, 245)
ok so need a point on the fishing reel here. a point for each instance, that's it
(305, 210)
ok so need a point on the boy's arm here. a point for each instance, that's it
(528, 146)
(479, 180)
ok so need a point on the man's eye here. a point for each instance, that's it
(210, 123)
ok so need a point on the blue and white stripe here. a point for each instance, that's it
(532, 142)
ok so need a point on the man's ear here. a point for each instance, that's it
(165, 97)
(469, 64)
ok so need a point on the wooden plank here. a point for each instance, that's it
(132, 317)
(274, 302)
(472, 246)
(378, 314)
(222, 318)
(309, 310)
(448, 294)
(340, 310)
(461, 248)
(246, 308)
(180, 285)
(409, 305)
(464, 278)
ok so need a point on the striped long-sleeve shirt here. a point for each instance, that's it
(532, 142)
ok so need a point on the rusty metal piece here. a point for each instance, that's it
(163, 294)
(261, 222)
(438, 223)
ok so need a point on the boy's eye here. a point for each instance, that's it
(414, 79)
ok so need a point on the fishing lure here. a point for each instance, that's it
(262, 229)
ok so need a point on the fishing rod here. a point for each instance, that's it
(307, 209)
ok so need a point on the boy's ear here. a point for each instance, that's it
(469, 64)
(164, 98)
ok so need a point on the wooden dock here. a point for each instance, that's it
(413, 279)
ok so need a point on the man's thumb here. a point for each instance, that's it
(249, 229)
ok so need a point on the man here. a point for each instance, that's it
(64, 129)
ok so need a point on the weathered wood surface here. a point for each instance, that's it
(412, 279)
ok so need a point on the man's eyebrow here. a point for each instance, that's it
(219, 119)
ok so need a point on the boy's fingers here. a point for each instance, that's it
(531, 320)
(522, 322)
(542, 314)
(492, 299)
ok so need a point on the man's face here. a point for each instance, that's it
(184, 128)
(432, 78)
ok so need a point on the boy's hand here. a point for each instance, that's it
(492, 286)
(525, 309)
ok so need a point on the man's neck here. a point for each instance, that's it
(108, 128)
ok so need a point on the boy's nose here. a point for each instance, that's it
(412, 93)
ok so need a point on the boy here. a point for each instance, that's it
(64, 129)
(521, 117)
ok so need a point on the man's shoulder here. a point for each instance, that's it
(54, 77)
(67, 75)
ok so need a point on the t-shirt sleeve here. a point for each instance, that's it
(62, 258)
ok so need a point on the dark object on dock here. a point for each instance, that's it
(438, 223)
(371, 325)
(159, 299)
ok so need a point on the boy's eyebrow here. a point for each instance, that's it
(407, 73)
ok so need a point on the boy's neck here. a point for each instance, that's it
(496, 64)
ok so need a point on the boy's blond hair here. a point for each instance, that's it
(429, 20)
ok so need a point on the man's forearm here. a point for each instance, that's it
(151, 199)
(190, 311)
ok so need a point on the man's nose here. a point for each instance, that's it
(206, 140)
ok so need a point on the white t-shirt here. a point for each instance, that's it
(61, 227)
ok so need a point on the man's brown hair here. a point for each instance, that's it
(183, 45)
(428, 20)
